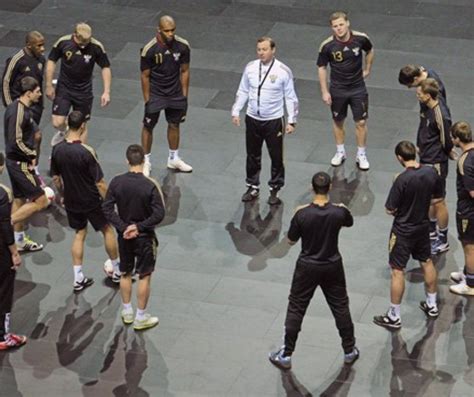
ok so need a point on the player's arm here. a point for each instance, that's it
(369, 60)
(50, 68)
(291, 102)
(102, 187)
(294, 232)
(184, 78)
(6, 228)
(145, 79)
(394, 198)
(323, 83)
(108, 206)
(107, 81)
(15, 124)
(241, 97)
(157, 211)
(11, 71)
(468, 178)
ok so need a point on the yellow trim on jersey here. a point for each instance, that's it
(8, 74)
(97, 42)
(328, 40)
(439, 121)
(20, 114)
(8, 192)
(181, 40)
(155, 182)
(461, 161)
(62, 38)
(148, 45)
(300, 207)
(91, 150)
(26, 171)
(356, 33)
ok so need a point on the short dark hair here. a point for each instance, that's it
(406, 150)
(28, 83)
(430, 86)
(321, 182)
(267, 38)
(75, 120)
(135, 154)
(408, 73)
(462, 131)
(33, 35)
(338, 14)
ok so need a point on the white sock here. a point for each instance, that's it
(360, 150)
(7, 323)
(148, 158)
(19, 236)
(173, 154)
(140, 314)
(431, 300)
(394, 312)
(115, 264)
(340, 148)
(127, 306)
(78, 275)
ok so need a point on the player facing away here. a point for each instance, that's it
(134, 205)
(164, 65)
(343, 52)
(409, 200)
(78, 176)
(78, 53)
(319, 264)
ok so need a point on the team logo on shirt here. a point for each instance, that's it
(346, 48)
(40, 66)
(273, 77)
(356, 51)
(176, 56)
(87, 58)
(27, 69)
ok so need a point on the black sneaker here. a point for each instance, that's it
(430, 311)
(273, 198)
(279, 360)
(116, 276)
(387, 322)
(86, 282)
(351, 358)
(251, 194)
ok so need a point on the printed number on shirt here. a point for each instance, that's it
(337, 55)
(159, 59)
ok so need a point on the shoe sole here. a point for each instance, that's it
(177, 169)
(461, 294)
(360, 168)
(354, 360)
(387, 326)
(127, 322)
(441, 251)
(457, 281)
(22, 250)
(144, 327)
(338, 165)
(428, 313)
(279, 365)
(76, 291)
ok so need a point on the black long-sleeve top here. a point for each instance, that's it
(6, 228)
(139, 201)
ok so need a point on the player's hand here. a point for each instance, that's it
(365, 73)
(130, 232)
(453, 155)
(290, 129)
(50, 93)
(327, 98)
(105, 99)
(16, 259)
(236, 121)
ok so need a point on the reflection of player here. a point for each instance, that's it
(9, 261)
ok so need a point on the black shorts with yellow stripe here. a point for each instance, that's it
(465, 228)
(401, 247)
(138, 254)
(25, 183)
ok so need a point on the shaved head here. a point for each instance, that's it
(166, 29)
(33, 36)
(166, 20)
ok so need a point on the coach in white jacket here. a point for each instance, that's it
(267, 85)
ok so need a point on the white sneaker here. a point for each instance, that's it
(147, 168)
(458, 277)
(180, 165)
(338, 159)
(362, 162)
(58, 138)
(462, 289)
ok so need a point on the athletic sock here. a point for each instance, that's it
(19, 237)
(148, 158)
(78, 275)
(140, 314)
(443, 234)
(360, 150)
(433, 227)
(340, 148)
(394, 312)
(115, 264)
(431, 299)
(173, 154)
(127, 306)
(470, 279)
(7, 323)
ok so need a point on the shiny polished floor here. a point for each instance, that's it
(224, 268)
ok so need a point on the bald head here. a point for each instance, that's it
(166, 29)
(82, 34)
(34, 42)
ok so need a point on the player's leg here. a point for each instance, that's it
(274, 131)
(359, 103)
(339, 105)
(150, 119)
(78, 222)
(175, 117)
(253, 144)
(61, 106)
(126, 267)
(84, 105)
(465, 278)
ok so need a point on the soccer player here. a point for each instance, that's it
(319, 264)
(409, 201)
(29, 61)
(78, 53)
(10, 260)
(139, 209)
(164, 65)
(20, 147)
(77, 174)
(462, 138)
(343, 52)
(435, 147)
(267, 85)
